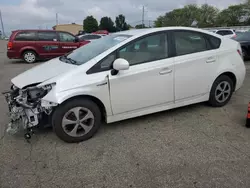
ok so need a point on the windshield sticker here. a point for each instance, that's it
(120, 38)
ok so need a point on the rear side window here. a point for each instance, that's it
(47, 36)
(214, 42)
(225, 32)
(188, 42)
(66, 37)
(220, 33)
(26, 36)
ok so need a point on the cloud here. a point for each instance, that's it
(42, 13)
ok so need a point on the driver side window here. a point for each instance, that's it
(150, 48)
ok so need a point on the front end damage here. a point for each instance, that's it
(26, 109)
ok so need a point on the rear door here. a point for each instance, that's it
(195, 63)
(67, 42)
(48, 44)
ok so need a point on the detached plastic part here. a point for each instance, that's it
(248, 117)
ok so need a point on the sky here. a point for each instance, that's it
(35, 14)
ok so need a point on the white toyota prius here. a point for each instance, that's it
(125, 75)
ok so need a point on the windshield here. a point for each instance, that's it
(94, 48)
(243, 36)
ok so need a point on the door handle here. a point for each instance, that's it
(211, 60)
(166, 71)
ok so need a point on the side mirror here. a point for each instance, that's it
(120, 64)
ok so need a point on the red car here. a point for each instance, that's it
(31, 45)
(104, 32)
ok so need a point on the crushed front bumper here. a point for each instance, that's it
(21, 118)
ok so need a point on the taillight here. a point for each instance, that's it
(10, 45)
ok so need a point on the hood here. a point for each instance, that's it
(42, 73)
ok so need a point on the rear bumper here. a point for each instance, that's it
(13, 55)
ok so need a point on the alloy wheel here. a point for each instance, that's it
(222, 91)
(78, 121)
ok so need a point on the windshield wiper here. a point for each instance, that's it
(66, 59)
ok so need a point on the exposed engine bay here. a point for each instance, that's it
(25, 108)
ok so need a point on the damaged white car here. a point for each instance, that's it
(125, 75)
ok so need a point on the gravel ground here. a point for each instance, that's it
(194, 146)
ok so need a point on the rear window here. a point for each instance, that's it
(213, 41)
(47, 36)
(225, 32)
(26, 36)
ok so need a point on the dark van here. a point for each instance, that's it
(31, 45)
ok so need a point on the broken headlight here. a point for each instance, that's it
(36, 93)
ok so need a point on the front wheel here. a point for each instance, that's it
(76, 120)
(221, 91)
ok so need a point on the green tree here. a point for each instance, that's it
(205, 16)
(232, 15)
(179, 17)
(140, 26)
(106, 23)
(120, 23)
(208, 16)
(159, 22)
(90, 24)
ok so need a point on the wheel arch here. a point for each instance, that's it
(231, 75)
(28, 49)
(97, 101)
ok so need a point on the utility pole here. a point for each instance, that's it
(56, 19)
(1, 19)
(142, 22)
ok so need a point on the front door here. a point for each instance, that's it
(195, 64)
(47, 44)
(148, 81)
(67, 42)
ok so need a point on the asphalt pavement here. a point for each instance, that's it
(196, 146)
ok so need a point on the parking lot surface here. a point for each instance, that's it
(194, 146)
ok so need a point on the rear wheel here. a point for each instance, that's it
(29, 56)
(221, 91)
(76, 120)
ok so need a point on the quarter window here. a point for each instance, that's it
(66, 37)
(26, 36)
(187, 42)
(214, 42)
(47, 36)
(150, 48)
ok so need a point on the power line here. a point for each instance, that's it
(1, 19)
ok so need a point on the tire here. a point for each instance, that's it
(223, 82)
(82, 129)
(29, 56)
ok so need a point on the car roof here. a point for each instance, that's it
(134, 32)
(33, 30)
(225, 30)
